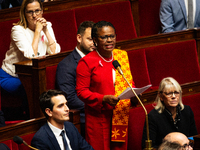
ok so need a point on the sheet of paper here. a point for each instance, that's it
(128, 93)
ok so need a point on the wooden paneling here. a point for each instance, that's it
(53, 6)
(32, 126)
(32, 74)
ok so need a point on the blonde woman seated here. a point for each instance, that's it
(31, 37)
(169, 114)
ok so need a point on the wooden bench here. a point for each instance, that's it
(27, 129)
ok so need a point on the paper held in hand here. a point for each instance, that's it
(128, 93)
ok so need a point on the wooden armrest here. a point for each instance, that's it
(158, 39)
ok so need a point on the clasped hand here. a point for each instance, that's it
(41, 24)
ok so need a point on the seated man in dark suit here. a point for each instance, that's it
(57, 133)
(66, 69)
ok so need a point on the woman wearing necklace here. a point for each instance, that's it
(98, 85)
(169, 114)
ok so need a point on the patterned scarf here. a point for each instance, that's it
(121, 111)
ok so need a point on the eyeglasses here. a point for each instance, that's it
(37, 12)
(105, 38)
(188, 146)
(170, 94)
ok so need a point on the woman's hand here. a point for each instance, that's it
(110, 99)
(41, 24)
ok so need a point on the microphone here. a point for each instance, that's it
(117, 66)
(19, 140)
(148, 141)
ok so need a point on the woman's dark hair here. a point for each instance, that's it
(46, 102)
(99, 25)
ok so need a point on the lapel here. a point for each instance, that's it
(70, 136)
(76, 56)
(197, 15)
(52, 138)
(182, 5)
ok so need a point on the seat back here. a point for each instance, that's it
(138, 65)
(27, 138)
(51, 77)
(14, 146)
(11, 144)
(119, 14)
(135, 126)
(193, 102)
(64, 26)
(178, 60)
(149, 17)
(5, 30)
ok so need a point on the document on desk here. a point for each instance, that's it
(128, 93)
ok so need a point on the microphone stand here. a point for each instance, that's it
(29, 146)
(148, 142)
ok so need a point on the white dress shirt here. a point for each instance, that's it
(56, 131)
(194, 8)
(21, 47)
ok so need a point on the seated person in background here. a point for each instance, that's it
(2, 119)
(66, 69)
(179, 138)
(174, 15)
(4, 147)
(169, 114)
(98, 85)
(170, 146)
(57, 133)
(31, 37)
(14, 3)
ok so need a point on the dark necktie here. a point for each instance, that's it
(64, 140)
(190, 14)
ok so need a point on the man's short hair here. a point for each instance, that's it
(83, 26)
(46, 102)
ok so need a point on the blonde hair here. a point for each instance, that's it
(23, 21)
(165, 84)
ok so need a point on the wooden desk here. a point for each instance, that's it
(33, 125)
(32, 74)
